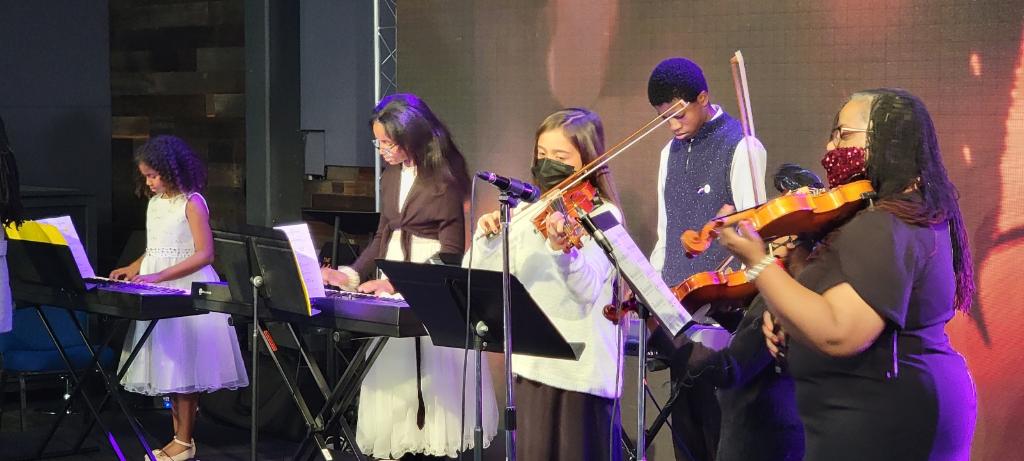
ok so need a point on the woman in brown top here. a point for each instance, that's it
(876, 376)
(410, 401)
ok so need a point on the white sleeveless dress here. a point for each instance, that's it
(184, 355)
(386, 427)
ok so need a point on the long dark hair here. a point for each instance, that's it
(586, 132)
(903, 154)
(11, 210)
(179, 167)
(411, 124)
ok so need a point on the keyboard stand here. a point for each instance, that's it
(314, 424)
(340, 397)
(330, 416)
(111, 387)
(45, 273)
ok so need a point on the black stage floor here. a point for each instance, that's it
(217, 441)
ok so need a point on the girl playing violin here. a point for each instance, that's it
(876, 377)
(568, 407)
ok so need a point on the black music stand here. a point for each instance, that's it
(596, 226)
(52, 266)
(274, 278)
(446, 316)
(276, 282)
(345, 222)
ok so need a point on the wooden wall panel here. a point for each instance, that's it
(178, 67)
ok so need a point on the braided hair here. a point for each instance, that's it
(904, 156)
(179, 167)
(11, 210)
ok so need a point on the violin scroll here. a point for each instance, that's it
(615, 314)
(697, 242)
(790, 214)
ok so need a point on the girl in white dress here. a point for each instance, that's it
(411, 399)
(186, 355)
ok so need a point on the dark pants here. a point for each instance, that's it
(555, 424)
(696, 417)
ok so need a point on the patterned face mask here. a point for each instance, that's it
(844, 164)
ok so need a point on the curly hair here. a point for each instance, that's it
(675, 78)
(904, 155)
(11, 210)
(178, 166)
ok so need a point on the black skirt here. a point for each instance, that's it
(556, 424)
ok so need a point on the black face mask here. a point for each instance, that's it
(548, 173)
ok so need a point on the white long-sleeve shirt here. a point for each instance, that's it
(740, 181)
(571, 289)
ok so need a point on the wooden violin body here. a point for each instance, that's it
(790, 214)
(581, 198)
(701, 289)
(704, 287)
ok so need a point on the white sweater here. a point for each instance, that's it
(572, 290)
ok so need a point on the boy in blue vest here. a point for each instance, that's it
(704, 166)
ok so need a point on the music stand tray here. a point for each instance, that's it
(345, 222)
(351, 222)
(444, 315)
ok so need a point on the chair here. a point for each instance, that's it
(28, 353)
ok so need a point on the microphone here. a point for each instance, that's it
(518, 189)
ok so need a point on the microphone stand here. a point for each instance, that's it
(642, 313)
(507, 202)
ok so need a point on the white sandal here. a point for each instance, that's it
(183, 456)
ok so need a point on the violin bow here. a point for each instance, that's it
(739, 79)
(607, 156)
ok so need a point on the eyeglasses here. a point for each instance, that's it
(839, 134)
(384, 146)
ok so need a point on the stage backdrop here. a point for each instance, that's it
(494, 69)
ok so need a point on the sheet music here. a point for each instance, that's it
(67, 229)
(306, 257)
(647, 282)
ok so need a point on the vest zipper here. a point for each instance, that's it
(689, 148)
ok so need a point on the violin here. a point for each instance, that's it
(704, 287)
(792, 214)
(701, 289)
(573, 202)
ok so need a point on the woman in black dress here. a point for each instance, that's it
(876, 376)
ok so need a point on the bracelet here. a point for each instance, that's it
(756, 269)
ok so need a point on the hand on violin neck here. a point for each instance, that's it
(557, 231)
(726, 210)
(743, 241)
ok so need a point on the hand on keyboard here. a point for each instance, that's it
(378, 287)
(122, 285)
(148, 278)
